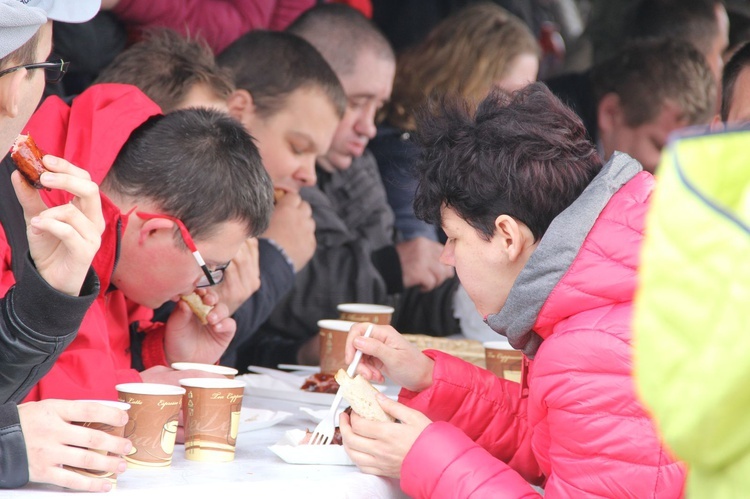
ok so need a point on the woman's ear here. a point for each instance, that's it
(10, 93)
(514, 236)
(241, 105)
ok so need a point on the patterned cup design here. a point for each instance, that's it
(212, 416)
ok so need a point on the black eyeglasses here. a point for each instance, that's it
(53, 70)
(210, 277)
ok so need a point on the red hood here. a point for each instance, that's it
(90, 133)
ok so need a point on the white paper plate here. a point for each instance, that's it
(257, 419)
(262, 385)
(317, 415)
(289, 450)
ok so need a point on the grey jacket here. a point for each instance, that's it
(355, 261)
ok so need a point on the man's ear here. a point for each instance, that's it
(10, 93)
(155, 227)
(609, 114)
(513, 235)
(241, 105)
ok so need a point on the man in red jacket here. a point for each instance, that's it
(180, 194)
(546, 241)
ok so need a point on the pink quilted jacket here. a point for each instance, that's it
(581, 432)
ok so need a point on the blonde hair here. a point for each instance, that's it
(464, 55)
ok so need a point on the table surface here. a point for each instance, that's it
(256, 472)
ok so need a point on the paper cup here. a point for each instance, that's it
(365, 312)
(152, 428)
(117, 431)
(212, 417)
(503, 360)
(227, 372)
(332, 344)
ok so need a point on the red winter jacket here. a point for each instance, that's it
(89, 134)
(219, 22)
(581, 432)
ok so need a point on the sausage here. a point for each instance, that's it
(28, 158)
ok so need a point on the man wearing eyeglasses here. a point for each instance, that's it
(52, 283)
(179, 195)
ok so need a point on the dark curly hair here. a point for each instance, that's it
(524, 154)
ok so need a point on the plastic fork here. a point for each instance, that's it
(324, 431)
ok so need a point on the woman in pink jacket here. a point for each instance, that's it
(546, 240)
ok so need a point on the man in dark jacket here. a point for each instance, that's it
(54, 281)
(357, 258)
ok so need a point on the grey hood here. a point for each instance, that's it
(555, 253)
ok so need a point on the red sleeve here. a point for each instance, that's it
(152, 348)
(219, 22)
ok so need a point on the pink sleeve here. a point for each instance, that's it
(489, 410)
(219, 22)
(444, 463)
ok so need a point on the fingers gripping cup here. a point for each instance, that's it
(333, 335)
(365, 312)
(117, 431)
(503, 360)
(152, 427)
(212, 416)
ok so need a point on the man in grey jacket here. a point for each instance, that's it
(54, 282)
(358, 258)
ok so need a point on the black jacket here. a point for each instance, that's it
(37, 322)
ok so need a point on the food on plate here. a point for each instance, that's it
(278, 194)
(200, 309)
(336, 440)
(361, 397)
(320, 383)
(28, 158)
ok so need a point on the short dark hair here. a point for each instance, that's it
(647, 73)
(198, 165)
(271, 65)
(25, 54)
(341, 33)
(165, 66)
(524, 154)
(739, 61)
(691, 21)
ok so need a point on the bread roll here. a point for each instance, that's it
(200, 309)
(361, 396)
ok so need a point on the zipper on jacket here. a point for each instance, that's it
(524, 385)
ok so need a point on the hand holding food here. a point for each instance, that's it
(200, 309)
(293, 228)
(187, 340)
(362, 397)
(377, 447)
(28, 158)
(62, 239)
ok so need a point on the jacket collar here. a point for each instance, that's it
(554, 255)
